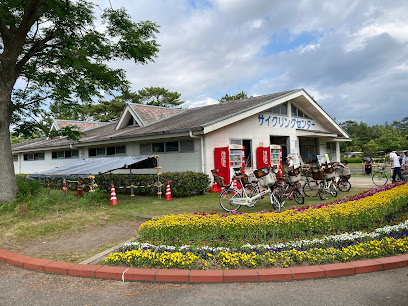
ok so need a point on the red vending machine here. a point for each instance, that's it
(276, 157)
(263, 157)
(227, 158)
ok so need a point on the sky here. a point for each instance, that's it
(350, 56)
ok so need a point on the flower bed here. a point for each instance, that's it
(210, 241)
(255, 228)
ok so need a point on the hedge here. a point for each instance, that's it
(183, 184)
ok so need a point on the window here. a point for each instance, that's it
(158, 147)
(15, 158)
(172, 146)
(169, 146)
(298, 113)
(100, 151)
(281, 109)
(65, 154)
(187, 145)
(34, 156)
(107, 151)
(145, 148)
(132, 122)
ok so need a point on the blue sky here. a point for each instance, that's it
(351, 56)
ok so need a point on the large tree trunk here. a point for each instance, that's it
(8, 186)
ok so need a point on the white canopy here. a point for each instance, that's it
(84, 168)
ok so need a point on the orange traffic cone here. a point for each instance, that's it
(215, 188)
(79, 188)
(168, 192)
(113, 199)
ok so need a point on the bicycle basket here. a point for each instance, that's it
(342, 171)
(294, 178)
(243, 178)
(307, 172)
(318, 174)
(294, 172)
(330, 175)
(219, 180)
(261, 172)
(329, 170)
(267, 180)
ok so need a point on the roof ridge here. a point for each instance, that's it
(154, 106)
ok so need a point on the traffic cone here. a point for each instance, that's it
(113, 199)
(215, 188)
(64, 188)
(235, 184)
(79, 188)
(168, 192)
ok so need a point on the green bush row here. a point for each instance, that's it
(356, 160)
(183, 184)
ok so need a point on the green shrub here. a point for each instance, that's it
(183, 184)
(353, 160)
(27, 189)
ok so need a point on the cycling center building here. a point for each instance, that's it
(185, 139)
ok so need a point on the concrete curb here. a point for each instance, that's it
(204, 276)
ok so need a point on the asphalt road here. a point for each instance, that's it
(23, 287)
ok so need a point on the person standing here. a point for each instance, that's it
(404, 164)
(396, 164)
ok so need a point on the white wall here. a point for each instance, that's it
(33, 166)
(259, 131)
(170, 162)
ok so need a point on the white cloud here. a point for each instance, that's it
(355, 63)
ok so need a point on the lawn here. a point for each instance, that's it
(152, 206)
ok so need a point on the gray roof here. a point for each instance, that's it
(194, 119)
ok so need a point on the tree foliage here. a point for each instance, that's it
(158, 96)
(371, 139)
(51, 51)
(111, 110)
(238, 96)
(54, 48)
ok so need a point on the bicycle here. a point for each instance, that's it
(380, 177)
(310, 187)
(324, 176)
(289, 187)
(231, 199)
(342, 181)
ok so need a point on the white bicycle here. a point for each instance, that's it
(231, 199)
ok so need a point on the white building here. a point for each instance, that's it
(185, 139)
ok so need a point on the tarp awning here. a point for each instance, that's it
(98, 165)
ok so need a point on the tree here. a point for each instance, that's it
(55, 51)
(158, 96)
(111, 110)
(238, 96)
(107, 110)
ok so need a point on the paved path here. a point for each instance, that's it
(362, 182)
(24, 287)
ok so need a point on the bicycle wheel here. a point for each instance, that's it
(344, 186)
(277, 198)
(380, 178)
(226, 197)
(332, 190)
(298, 196)
(253, 192)
(322, 190)
(310, 188)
